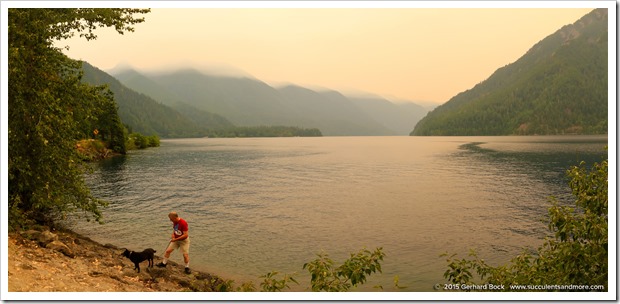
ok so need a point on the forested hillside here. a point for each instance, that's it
(142, 114)
(558, 87)
(251, 102)
(332, 112)
(244, 101)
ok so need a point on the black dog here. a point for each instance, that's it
(138, 257)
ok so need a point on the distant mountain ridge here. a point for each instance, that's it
(145, 115)
(250, 102)
(558, 87)
(400, 117)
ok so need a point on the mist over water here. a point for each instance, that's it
(256, 205)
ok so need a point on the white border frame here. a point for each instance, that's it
(349, 296)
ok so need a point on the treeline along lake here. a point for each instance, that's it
(256, 205)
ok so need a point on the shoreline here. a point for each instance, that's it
(65, 261)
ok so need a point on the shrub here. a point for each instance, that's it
(575, 255)
(324, 276)
(354, 271)
(153, 141)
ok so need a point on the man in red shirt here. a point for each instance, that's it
(180, 239)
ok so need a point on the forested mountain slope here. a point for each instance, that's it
(558, 87)
(251, 102)
(332, 112)
(143, 114)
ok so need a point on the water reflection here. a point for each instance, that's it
(552, 158)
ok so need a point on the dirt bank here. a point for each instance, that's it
(65, 261)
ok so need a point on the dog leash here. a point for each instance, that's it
(167, 246)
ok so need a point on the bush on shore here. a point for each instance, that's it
(139, 141)
(576, 254)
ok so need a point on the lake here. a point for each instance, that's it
(256, 205)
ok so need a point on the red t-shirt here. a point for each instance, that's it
(179, 227)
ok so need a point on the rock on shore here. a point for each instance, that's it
(40, 260)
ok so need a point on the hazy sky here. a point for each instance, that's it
(421, 54)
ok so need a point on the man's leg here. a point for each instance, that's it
(185, 250)
(169, 250)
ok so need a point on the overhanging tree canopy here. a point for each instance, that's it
(48, 110)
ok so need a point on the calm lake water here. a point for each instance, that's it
(256, 205)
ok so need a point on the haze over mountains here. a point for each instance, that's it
(246, 101)
(560, 86)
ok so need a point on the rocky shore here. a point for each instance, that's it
(52, 261)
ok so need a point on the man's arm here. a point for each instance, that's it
(181, 237)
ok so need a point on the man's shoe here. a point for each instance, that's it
(187, 271)
(161, 264)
